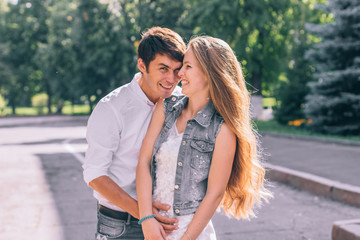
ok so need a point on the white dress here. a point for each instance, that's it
(166, 162)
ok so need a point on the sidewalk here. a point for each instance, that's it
(329, 163)
(329, 169)
(339, 163)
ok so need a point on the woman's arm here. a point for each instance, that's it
(151, 227)
(220, 170)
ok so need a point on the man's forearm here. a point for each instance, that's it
(115, 194)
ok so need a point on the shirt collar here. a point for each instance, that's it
(138, 91)
(203, 117)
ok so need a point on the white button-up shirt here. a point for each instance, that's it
(115, 132)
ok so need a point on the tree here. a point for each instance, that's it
(24, 28)
(334, 101)
(56, 57)
(292, 91)
(161, 13)
(254, 29)
(102, 49)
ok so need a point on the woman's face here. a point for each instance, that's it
(194, 82)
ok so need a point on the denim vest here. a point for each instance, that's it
(195, 153)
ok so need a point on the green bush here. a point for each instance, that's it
(39, 101)
(3, 104)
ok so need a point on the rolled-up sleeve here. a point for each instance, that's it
(103, 135)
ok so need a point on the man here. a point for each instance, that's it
(116, 129)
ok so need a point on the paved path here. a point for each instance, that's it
(43, 195)
(329, 160)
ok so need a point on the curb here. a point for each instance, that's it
(346, 230)
(312, 138)
(334, 190)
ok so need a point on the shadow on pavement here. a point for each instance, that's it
(74, 202)
(52, 141)
(47, 124)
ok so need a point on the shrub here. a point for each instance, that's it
(39, 101)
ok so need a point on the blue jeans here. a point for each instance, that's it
(112, 229)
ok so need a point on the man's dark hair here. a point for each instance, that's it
(158, 40)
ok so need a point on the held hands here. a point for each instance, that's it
(166, 222)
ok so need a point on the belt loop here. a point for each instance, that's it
(128, 220)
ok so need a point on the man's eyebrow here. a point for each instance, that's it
(162, 64)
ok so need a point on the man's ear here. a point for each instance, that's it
(141, 65)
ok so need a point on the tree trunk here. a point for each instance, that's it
(12, 104)
(13, 108)
(256, 83)
(49, 93)
(90, 104)
(49, 102)
(59, 107)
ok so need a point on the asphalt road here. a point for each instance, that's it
(44, 197)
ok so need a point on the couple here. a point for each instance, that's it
(191, 152)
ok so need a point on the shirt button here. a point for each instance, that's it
(180, 164)
(173, 99)
(177, 211)
(176, 186)
(183, 142)
(189, 124)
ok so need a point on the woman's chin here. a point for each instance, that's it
(184, 92)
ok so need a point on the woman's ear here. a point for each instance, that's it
(141, 65)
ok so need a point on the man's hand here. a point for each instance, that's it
(153, 230)
(166, 222)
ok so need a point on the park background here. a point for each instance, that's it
(301, 58)
(301, 61)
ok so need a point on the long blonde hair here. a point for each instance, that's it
(232, 101)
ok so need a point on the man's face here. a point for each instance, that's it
(160, 78)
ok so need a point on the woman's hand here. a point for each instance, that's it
(153, 230)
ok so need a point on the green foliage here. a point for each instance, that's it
(23, 27)
(254, 29)
(334, 101)
(39, 101)
(291, 93)
(104, 50)
(3, 104)
(76, 49)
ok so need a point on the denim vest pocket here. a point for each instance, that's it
(201, 157)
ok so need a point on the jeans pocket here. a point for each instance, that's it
(109, 227)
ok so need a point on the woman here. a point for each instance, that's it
(200, 149)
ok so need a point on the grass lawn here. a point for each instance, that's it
(33, 111)
(275, 127)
